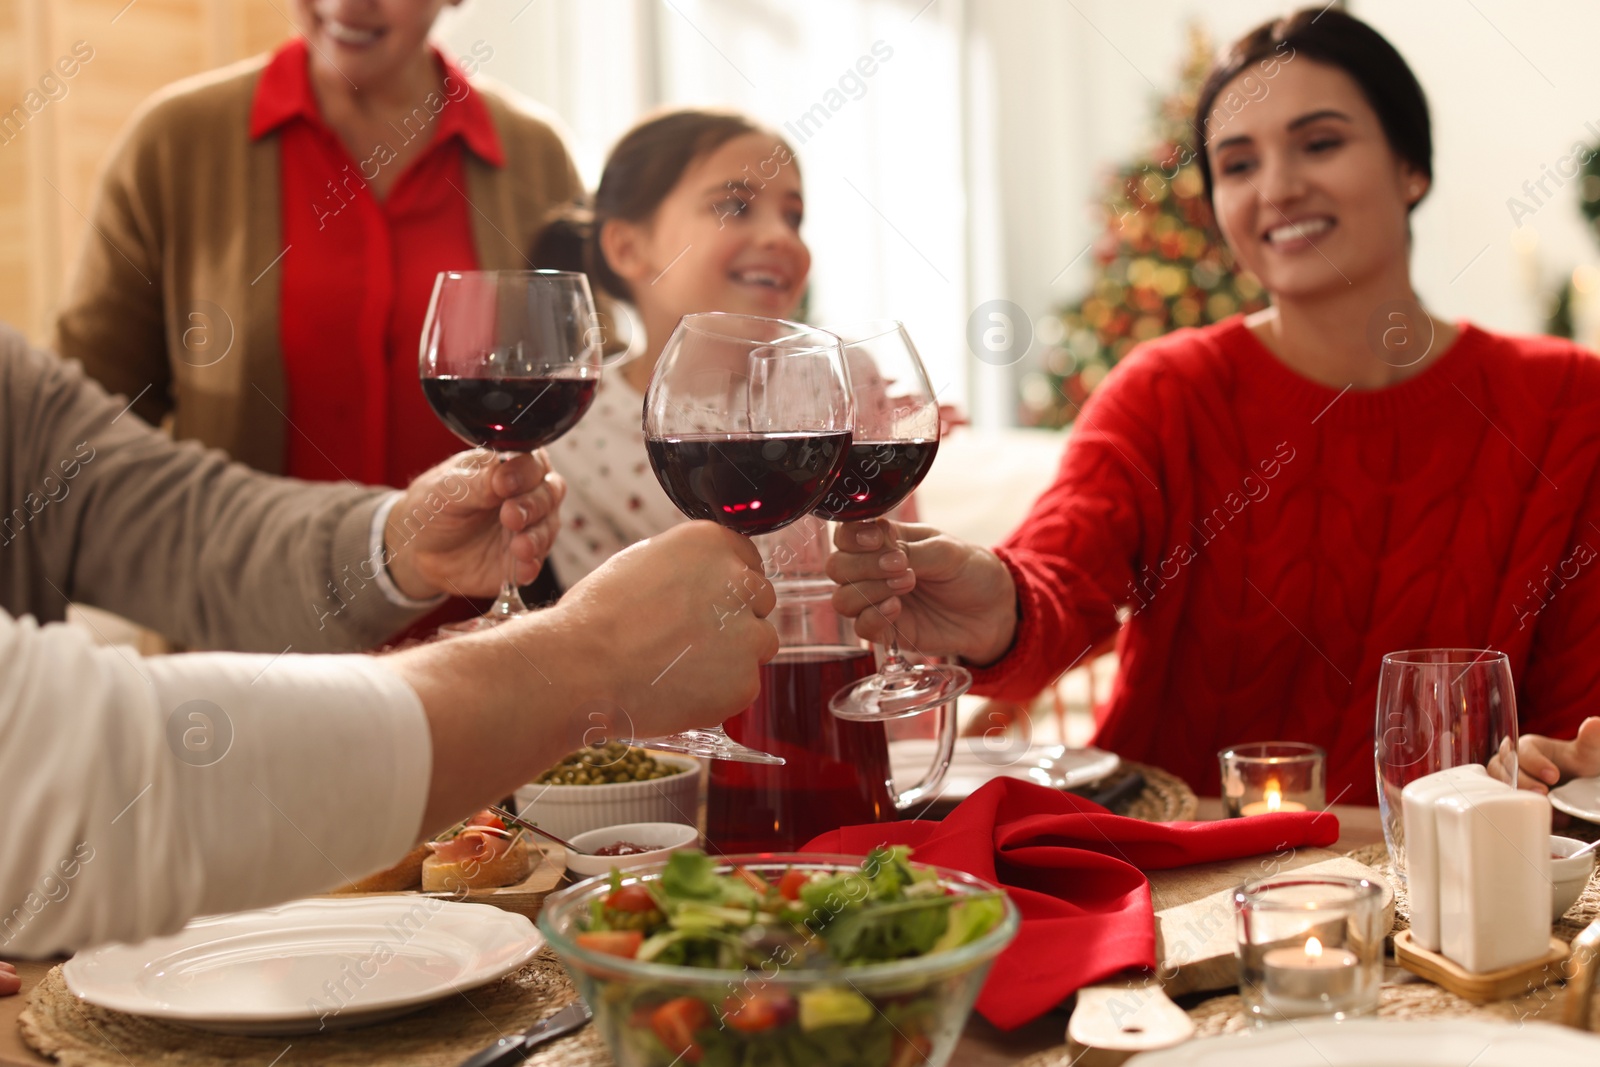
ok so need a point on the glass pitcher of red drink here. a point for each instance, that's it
(837, 772)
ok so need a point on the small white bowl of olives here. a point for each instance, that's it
(611, 785)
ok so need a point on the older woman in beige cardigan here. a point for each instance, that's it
(176, 294)
(265, 237)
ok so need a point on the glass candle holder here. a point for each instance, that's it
(1309, 946)
(1269, 776)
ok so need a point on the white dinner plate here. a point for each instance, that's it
(1579, 797)
(307, 965)
(975, 763)
(1386, 1043)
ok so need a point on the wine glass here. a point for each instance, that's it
(896, 438)
(747, 422)
(1440, 708)
(509, 361)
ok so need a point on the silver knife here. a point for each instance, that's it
(512, 1050)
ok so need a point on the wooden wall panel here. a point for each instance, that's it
(47, 172)
(15, 236)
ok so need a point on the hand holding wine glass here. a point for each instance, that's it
(509, 361)
(896, 438)
(446, 532)
(747, 422)
(948, 597)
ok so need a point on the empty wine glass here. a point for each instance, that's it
(896, 438)
(509, 362)
(1440, 708)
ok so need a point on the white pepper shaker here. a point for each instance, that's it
(1494, 878)
(1419, 803)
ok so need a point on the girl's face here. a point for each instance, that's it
(727, 238)
(366, 42)
(1309, 194)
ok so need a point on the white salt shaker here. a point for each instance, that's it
(1419, 803)
(1494, 878)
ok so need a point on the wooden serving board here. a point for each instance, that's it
(524, 898)
(1195, 932)
(1195, 939)
(1489, 986)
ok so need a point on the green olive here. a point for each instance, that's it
(612, 762)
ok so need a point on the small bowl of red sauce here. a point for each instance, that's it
(635, 844)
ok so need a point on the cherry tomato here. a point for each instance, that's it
(675, 1023)
(789, 885)
(758, 1010)
(634, 898)
(624, 943)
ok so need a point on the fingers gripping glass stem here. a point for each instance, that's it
(896, 437)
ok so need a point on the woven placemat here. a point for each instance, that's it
(1377, 857)
(1164, 798)
(59, 1025)
(1407, 1000)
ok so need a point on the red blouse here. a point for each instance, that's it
(1269, 539)
(358, 272)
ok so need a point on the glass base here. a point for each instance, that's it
(710, 744)
(881, 697)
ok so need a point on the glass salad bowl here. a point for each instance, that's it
(780, 960)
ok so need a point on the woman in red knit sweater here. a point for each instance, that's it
(1266, 506)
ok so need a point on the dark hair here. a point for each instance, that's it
(1332, 37)
(641, 170)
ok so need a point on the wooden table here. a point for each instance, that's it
(982, 1045)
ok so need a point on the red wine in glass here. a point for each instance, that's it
(509, 414)
(747, 420)
(877, 476)
(509, 361)
(752, 483)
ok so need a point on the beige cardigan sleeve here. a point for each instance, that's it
(99, 508)
(112, 319)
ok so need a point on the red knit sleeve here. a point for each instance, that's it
(1075, 557)
(1560, 685)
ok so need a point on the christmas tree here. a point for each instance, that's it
(1560, 305)
(1158, 264)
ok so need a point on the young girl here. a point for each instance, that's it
(1273, 503)
(696, 211)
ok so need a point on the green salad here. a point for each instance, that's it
(827, 923)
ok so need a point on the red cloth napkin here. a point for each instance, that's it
(1073, 870)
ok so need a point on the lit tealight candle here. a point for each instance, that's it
(1309, 973)
(1271, 801)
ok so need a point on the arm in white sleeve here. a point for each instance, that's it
(142, 792)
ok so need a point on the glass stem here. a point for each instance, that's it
(509, 602)
(895, 670)
(894, 664)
